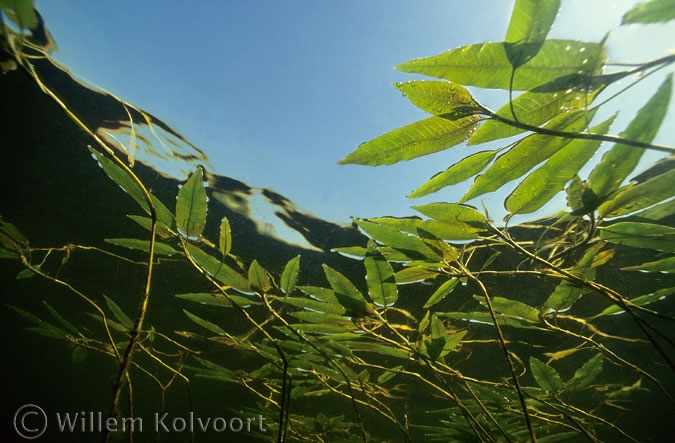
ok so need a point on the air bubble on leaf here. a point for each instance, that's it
(582, 49)
(568, 47)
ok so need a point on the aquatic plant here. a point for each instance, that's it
(458, 328)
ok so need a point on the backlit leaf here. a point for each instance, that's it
(641, 300)
(544, 183)
(191, 206)
(586, 374)
(257, 277)
(414, 274)
(424, 137)
(289, 277)
(640, 235)
(448, 99)
(621, 160)
(390, 236)
(653, 11)
(379, 277)
(530, 23)
(464, 217)
(460, 171)
(441, 292)
(664, 265)
(546, 377)
(486, 65)
(225, 239)
(218, 270)
(512, 308)
(636, 197)
(315, 305)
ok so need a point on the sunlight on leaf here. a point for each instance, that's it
(530, 23)
(257, 278)
(653, 11)
(640, 235)
(448, 99)
(443, 291)
(191, 206)
(225, 239)
(289, 277)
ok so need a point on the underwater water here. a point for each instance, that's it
(254, 320)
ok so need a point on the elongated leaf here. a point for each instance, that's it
(60, 319)
(527, 153)
(146, 222)
(640, 235)
(122, 178)
(379, 277)
(544, 183)
(191, 205)
(535, 108)
(452, 213)
(653, 11)
(486, 319)
(429, 229)
(206, 298)
(621, 160)
(443, 291)
(424, 137)
(641, 300)
(20, 12)
(143, 245)
(378, 348)
(636, 197)
(317, 328)
(324, 318)
(11, 234)
(448, 99)
(315, 305)
(345, 291)
(530, 23)
(486, 65)
(258, 279)
(586, 374)
(546, 377)
(512, 308)
(118, 313)
(205, 323)
(290, 275)
(414, 274)
(390, 236)
(218, 270)
(664, 265)
(225, 239)
(460, 171)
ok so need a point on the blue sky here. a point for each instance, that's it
(277, 92)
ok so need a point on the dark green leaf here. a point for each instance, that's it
(424, 137)
(586, 374)
(257, 277)
(191, 206)
(448, 99)
(122, 178)
(566, 294)
(640, 235)
(78, 355)
(653, 11)
(546, 377)
(486, 65)
(118, 313)
(621, 160)
(143, 245)
(379, 277)
(218, 270)
(512, 308)
(206, 298)
(641, 300)
(205, 323)
(666, 265)
(443, 291)
(290, 275)
(530, 23)
(346, 293)
(486, 319)
(544, 183)
(60, 319)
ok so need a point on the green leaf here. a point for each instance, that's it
(414, 274)
(143, 245)
(146, 223)
(666, 265)
(20, 12)
(640, 235)
(544, 183)
(218, 270)
(653, 11)
(257, 277)
(424, 137)
(527, 153)
(486, 319)
(346, 293)
(118, 313)
(621, 160)
(122, 178)
(586, 374)
(319, 293)
(486, 65)
(546, 377)
(379, 277)
(60, 319)
(447, 99)
(225, 239)
(289, 277)
(191, 206)
(441, 292)
(324, 318)
(464, 218)
(530, 23)
(78, 355)
(641, 300)
(633, 198)
(512, 308)
(315, 305)
(457, 173)
(205, 323)
(411, 245)
(219, 300)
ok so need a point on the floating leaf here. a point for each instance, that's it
(530, 23)
(448, 99)
(546, 377)
(460, 171)
(191, 206)
(143, 245)
(424, 137)
(290, 275)
(486, 65)
(146, 222)
(653, 11)
(640, 235)
(205, 323)
(257, 277)
(544, 183)
(218, 270)
(118, 313)
(443, 291)
(379, 277)
(621, 160)
(225, 239)
(586, 374)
